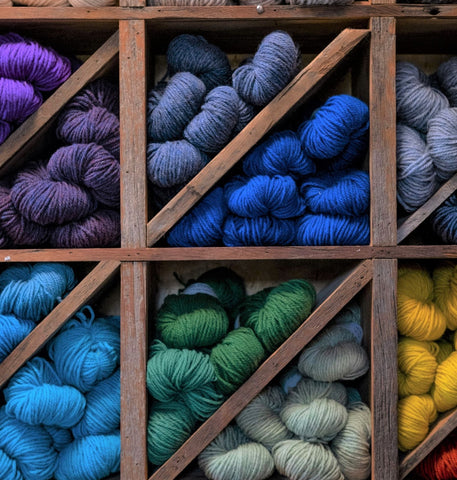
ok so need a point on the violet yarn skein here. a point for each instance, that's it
(18, 100)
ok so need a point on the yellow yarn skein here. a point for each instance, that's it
(416, 366)
(445, 280)
(444, 350)
(415, 414)
(418, 316)
(444, 390)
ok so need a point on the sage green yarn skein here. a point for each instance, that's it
(275, 313)
(191, 321)
(170, 425)
(232, 455)
(235, 358)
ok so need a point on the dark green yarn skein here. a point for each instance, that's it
(235, 358)
(275, 313)
(191, 321)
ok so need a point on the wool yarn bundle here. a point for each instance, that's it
(281, 200)
(440, 464)
(202, 105)
(28, 71)
(50, 428)
(72, 200)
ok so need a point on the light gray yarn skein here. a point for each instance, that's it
(416, 179)
(417, 100)
(447, 78)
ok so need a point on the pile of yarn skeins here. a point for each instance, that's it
(309, 426)
(427, 356)
(211, 338)
(297, 188)
(426, 136)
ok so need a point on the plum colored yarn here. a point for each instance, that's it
(19, 100)
(32, 291)
(417, 100)
(169, 112)
(192, 53)
(416, 178)
(275, 313)
(280, 154)
(446, 78)
(203, 225)
(444, 220)
(26, 451)
(103, 408)
(324, 229)
(12, 331)
(337, 133)
(87, 349)
(262, 195)
(92, 458)
(341, 193)
(273, 66)
(35, 395)
(266, 230)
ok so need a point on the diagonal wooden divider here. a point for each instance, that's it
(422, 213)
(348, 288)
(81, 294)
(301, 88)
(12, 150)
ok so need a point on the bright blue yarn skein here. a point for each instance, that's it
(340, 192)
(12, 331)
(260, 79)
(192, 53)
(262, 195)
(35, 395)
(324, 229)
(32, 291)
(280, 154)
(337, 132)
(444, 220)
(61, 437)
(203, 225)
(266, 230)
(86, 350)
(90, 458)
(170, 112)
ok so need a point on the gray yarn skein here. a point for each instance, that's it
(416, 179)
(417, 100)
(442, 143)
(447, 78)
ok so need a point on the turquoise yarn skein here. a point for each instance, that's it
(12, 331)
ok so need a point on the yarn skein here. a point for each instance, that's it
(446, 78)
(12, 331)
(444, 389)
(445, 291)
(440, 463)
(444, 220)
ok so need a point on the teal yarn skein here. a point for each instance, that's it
(232, 455)
(170, 424)
(275, 313)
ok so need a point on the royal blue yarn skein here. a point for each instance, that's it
(12, 331)
(61, 437)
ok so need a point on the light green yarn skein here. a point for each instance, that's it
(260, 420)
(315, 411)
(333, 355)
(191, 321)
(298, 460)
(275, 313)
(236, 358)
(170, 425)
(185, 375)
(351, 446)
(231, 455)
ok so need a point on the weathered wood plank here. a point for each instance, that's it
(349, 287)
(78, 297)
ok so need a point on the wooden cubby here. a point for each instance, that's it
(362, 39)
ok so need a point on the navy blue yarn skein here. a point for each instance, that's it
(262, 195)
(444, 220)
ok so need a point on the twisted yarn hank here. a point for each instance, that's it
(12, 331)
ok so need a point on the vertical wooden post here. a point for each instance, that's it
(134, 275)
(384, 391)
(383, 133)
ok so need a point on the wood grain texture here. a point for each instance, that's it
(46, 329)
(304, 84)
(422, 213)
(443, 427)
(349, 287)
(134, 403)
(383, 167)
(384, 393)
(132, 87)
(13, 152)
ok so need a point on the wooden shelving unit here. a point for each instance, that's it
(362, 38)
